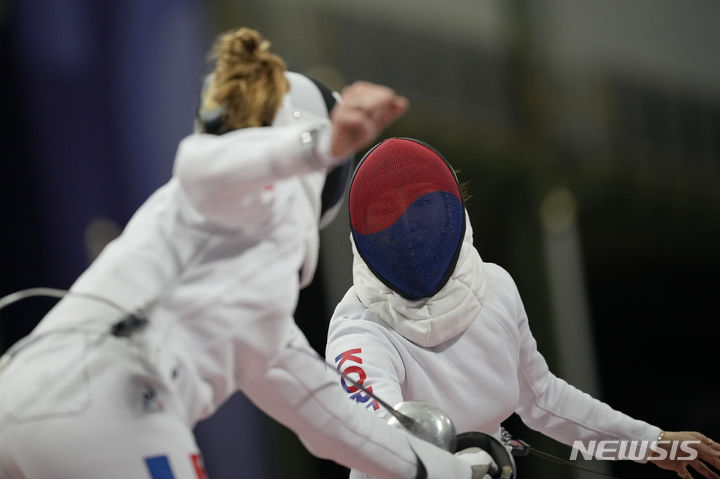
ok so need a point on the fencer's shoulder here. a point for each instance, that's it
(501, 292)
(350, 308)
(498, 276)
(353, 314)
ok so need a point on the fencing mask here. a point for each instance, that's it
(407, 216)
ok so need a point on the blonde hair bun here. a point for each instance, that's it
(245, 43)
(248, 82)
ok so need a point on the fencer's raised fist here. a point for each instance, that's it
(365, 111)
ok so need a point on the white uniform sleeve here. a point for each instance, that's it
(561, 411)
(301, 392)
(360, 350)
(217, 172)
(363, 352)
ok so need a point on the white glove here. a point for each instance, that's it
(439, 463)
(480, 461)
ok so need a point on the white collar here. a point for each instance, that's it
(430, 321)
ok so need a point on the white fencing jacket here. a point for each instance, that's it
(467, 350)
(213, 259)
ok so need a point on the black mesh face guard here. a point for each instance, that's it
(407, 216)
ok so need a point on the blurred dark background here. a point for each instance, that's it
(589, 134)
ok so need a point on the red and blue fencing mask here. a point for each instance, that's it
(407, 216)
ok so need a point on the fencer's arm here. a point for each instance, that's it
(217, 170)
(301, 392)
(559, 410)
(361, 349)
